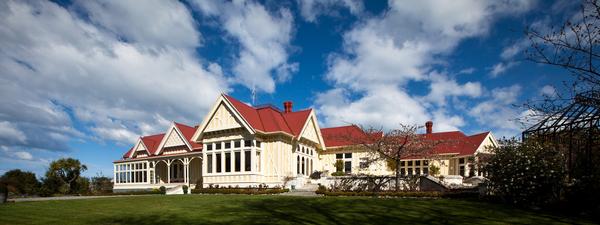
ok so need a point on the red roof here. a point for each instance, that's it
(453, 142)
(152, 142)
(269, 119)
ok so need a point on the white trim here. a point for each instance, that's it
(222, 99)
(136, 146)
(306, 123)
(489, 135)
(168, 134)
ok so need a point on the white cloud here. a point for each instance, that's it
(441, 88)
(23, 155)
(264, 39)
(498, 111)
(10, 134)
(402, 45)
(548, 90)
(501, 68)
(155, 22)
(127, 74)
(311, 9)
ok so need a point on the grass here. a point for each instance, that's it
(244, 209)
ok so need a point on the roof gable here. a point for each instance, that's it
(228, 108)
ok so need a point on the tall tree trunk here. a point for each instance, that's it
(397, 174)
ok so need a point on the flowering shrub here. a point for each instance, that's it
(248, 191)
(526, 172)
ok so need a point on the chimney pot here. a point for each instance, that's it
(429, 127)
(287, 106)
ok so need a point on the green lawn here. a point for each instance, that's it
(242, 209)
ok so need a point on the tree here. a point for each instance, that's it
(573, 47)
(101, 184)
(392, 146)
(66, 171)
(21, 182)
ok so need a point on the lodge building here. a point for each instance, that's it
(241, 145)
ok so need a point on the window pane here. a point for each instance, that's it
(426, 171)
(298, 165)
(348, 166)
(227, 145)
(462, 171)
(258, 161)
(402, 171)
(348, 155)
(227, 162)
(218, 159)
(258, 144)
(303, 166)
(248, 162)
(418, 162)
(409, 163)
(209, 147)
(209, 163)
(425, 163)
(247, 143)
(417, 171)
(218, 146)
(402, 163)
(461, 160)
(238, 161)
(339, 156)
(410, 171)
(237, 144)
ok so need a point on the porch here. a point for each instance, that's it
(151, 173)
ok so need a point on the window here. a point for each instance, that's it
(247, 143)
(248, 160)
(462, 171)
(209, 147)
(364, 163)
(417, 171)
(348, 155)
(348, 166)
(258, 144)
(418, 163)
(218, 159)
(461, 160)
(339, 156)
(237, 144)
(298, 165)
(303, 165)
(410, 163)
(209, 163)
(402, 171)
(425, 163)
(258, 161)
(227, 145)
(402, 163)
(410, 171)
(238, 161)
(227, 162)
(218, 146)
(426, 171)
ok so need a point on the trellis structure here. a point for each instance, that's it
(575, 129)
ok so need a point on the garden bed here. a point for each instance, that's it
(247, 191)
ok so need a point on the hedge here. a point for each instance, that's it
(421, 194)
(247, 191)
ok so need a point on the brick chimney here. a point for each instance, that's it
(287, 106)
(429, 127)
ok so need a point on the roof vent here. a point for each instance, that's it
(287, 106)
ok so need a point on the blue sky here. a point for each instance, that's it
(84, 79)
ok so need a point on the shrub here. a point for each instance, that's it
(316, 175)
(434, 170)
(3, 193)
(101, 184)
(185, 189)
(339, 166)
(338, 173)
(163, 190)
(321, 189)
(21, 182)
(247, 191)
(526, 172)
(410, 194)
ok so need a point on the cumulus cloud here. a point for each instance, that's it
(403, 45)
(548, 90)
(264, 39)
(498, 111)
(119, 69)
(311, 9)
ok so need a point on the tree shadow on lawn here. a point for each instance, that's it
(339, 210)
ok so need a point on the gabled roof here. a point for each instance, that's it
(452, 142)
(270, 119)
(152, 142)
